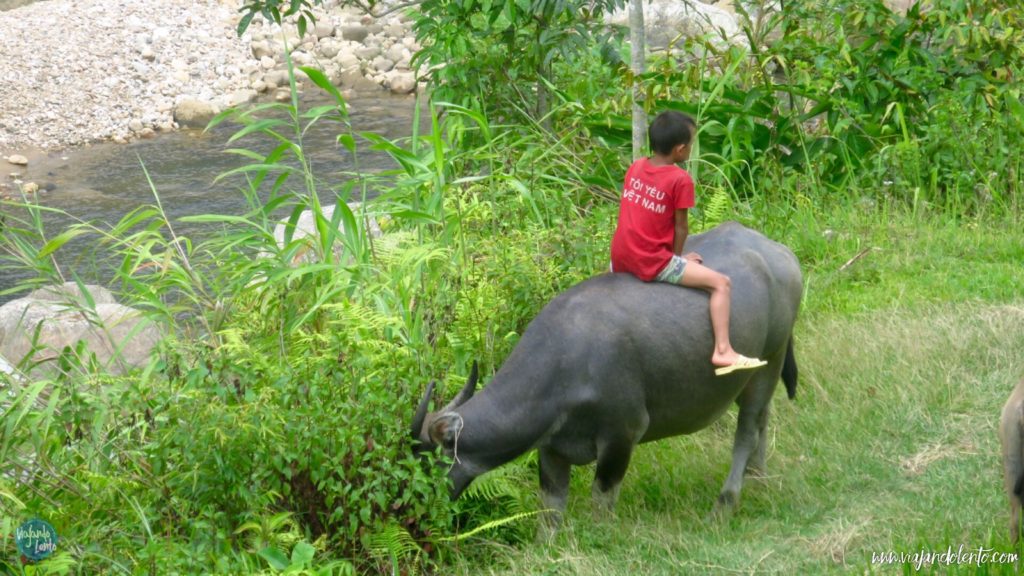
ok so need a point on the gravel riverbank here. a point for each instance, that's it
(74, 72)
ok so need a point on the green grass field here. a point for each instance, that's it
(911, 337)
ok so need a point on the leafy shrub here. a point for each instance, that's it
(323, 435)
(500, 54)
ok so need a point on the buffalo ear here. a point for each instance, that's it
(445, 429)
(470, 388)
(466, 393)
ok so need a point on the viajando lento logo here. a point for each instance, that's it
(36, 539)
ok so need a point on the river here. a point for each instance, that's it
(101, 183)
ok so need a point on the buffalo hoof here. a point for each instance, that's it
(723, 509)
(604, 501)
(545, 534)
(547, 528)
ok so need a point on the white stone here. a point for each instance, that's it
(323, 29)
(329, 49)
(397, 52)
(305, 228)
(276, 78)
(402, 82)
(367, 53)
(347, 60)
(17, 160)
(161, 34)
(194, 113)
(261, 49)
(355, 33)
(667, 20)
(239, 97)
(382, 64)
(7, 368)
(56, 316)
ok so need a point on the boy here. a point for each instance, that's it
(654, 223)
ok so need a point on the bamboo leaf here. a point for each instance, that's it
(58, 242)
(259, 126)
(255, 168)
(321, 80)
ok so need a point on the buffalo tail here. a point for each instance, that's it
(789, 374)
(1018, 487)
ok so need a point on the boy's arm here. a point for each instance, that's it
(682, 231)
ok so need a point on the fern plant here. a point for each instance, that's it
(716, 208)
(393, 544)
(502, 498)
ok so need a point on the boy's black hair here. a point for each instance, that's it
(670, 129)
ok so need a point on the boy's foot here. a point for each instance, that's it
(741, 363)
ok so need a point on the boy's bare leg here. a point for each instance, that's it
(719, 287)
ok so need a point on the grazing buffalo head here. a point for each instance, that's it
(443, 427)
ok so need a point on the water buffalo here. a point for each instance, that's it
(1011, 438)
(614, 362)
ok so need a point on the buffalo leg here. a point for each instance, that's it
(612, 462)
(744, 444)
(1011, 437)
(757, 464)
(751, 440)
(554, 491)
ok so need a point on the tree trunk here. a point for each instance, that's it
(638, 54)
(543, 74)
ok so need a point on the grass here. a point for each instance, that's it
(906, 355)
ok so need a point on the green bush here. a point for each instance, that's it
(323, 435)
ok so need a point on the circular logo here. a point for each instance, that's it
(36, 539)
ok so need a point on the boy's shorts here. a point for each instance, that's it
(672, 273)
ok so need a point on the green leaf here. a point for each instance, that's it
(274, 557)
(302, 554)
(243, 24)
(260, 126)
(321, 80)
(348, 141)
(61, 239)
(414, 216)
(255, 168)
(489, 526)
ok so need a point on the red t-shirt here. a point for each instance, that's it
(642, 244)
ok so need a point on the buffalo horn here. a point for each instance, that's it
(421, 412)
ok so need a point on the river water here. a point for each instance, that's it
(12, 4)
(101, 183)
